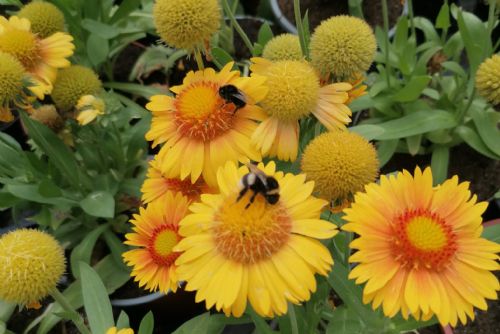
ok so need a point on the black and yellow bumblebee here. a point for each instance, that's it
(231, 94)
(259, 183)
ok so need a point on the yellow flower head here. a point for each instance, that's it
(185, 24)
(46, 19)
(89, 107)
(419, 249)
(11, 78)
(488, 79)
(32, 263)
(72, 83)
(295, 93)
(283, 47)
(40, 57)
(48, 115)
(340, 163)
(200, 129)
(156, 186)
(156, 234)
(114, 330)
(343, 45)
(263, 254)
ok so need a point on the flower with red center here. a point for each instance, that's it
(156, 186)
(156, 234)
(295, 93)
(265, 254)
(40, 57)
(419, 248)
(200, 129)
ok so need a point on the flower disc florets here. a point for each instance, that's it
(45, 18)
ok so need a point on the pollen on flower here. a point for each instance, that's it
(423, 239)
(253, 234)
(160, 246)
(201, 113)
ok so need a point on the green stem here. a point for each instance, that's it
(385, 13)
(199, 59)
(237, 26)
(491, 22)
(412, 18)
(300, 28)
(76, 317)
(293, 319)
(463, 112)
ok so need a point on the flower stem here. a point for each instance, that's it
(385, 13)
(300, 28)
(199, 59)
(293, 319)
(412, 18)
(237, 26)
(75, 316)
(491, 19)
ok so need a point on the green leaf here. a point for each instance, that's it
(261, 325)
(345, 321)
(220, 56)
(116, 247)
(401, 35)
(443, 18)
(125, 8)
(100, 29)
(31, 193)
(123, 321)
(147, 324)
(6, 310)
(132, 88)
(95, 300)
(265, 34)
(472, 139)
(492, 233)
(83, 251)
(385, 150)
(197, 325)
(16, 3)
(58, 153)
(47, 188)
(428, 29)
(487, 127)
(97, 49)
(439, 163)
(413, 89)
(413, 143)
(417, 123)
(99, 204)
(368, 131)
(475, 37)
(455, 68)
(7, 200)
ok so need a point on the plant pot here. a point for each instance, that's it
(341, 8)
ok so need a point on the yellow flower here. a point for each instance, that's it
(343, 45)
(89, 107)
(264, 254)
(358, 88)
(156, 234)
(114, 330)
(283, 47)
(420, 250)
(32, 263)
(40, 57)
(200, 129)
(11, 84)
(340, 163)
(72, 83)
(488, 79)
(186, 24)
(45, 18)
(295, 93)
(156, 186)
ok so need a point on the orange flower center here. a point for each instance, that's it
(161, 244)
(201, 113)
(252, 234)
(21, 44)
(192, 191)
(423, 239)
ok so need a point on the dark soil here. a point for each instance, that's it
(320, 10)
(130, 290)
(430, 330)
(465, 162)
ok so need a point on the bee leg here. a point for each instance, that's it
(242, 193)
(252, 199)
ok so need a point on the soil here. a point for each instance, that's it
(320, 10)
(465, 162)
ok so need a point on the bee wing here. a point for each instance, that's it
(260, 174)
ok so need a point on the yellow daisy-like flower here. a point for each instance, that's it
(40, 57)
(283, 47)
(200, 129)
(156, 234)
(89, 107)
(488, 79)
(114, 330)
(156, 186)
(296, 93)
(31, 262)
(419, 248)
(45, 18)
(264, 254)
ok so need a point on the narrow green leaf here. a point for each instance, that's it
(100, 29)
(455, 68)
(345, 321)
(492, 233)
(265, 34)
(123, 321)
(83, 251)
(196, 325)
(99, 204)
(401, 35)
(385, 150)
(16, 3)
(472, 139)
(147, 324)
(137, 89)
(97, 49)
(260, 323)
(443, 18)
(95, 300)
(413, 89)
(439, 163)
(221, 56)
(116, 247)
(487, 128)
(368, 131)
(413, 143)
(6, 310)
(48, 188)
(125, 8)
(475, 37)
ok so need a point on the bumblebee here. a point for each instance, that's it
(233, 95)
(259, 183)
